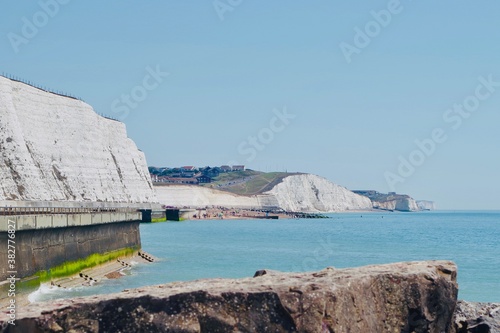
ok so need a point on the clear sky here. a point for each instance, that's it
(342, 89)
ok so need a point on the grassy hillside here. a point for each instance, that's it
(234, 176)
(248, 182)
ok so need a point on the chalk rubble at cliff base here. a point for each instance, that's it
(402, 297)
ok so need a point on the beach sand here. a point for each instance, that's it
(240, 214)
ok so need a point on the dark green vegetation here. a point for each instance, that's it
(382, 197)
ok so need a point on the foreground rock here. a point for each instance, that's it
(477, 317)
(403, 297)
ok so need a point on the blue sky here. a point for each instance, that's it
(351, 122)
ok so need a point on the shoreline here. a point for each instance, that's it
(111, 270)
(228, 213)
(466, 313)
(88, 277)
(75, 311)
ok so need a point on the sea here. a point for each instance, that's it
(196, 249)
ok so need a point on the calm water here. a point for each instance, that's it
(231, 249)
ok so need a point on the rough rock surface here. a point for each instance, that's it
(477, 317)
(55, 148)
(297, 193)
(402, 297)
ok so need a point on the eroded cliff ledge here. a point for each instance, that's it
(402, 297)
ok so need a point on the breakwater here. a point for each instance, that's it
(402, 297)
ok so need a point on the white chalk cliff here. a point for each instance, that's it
(198, 196)
(297, 193)
(426, 205)
(401, 203)
(55, 148)
(311, 193)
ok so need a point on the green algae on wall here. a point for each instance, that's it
(73, 267)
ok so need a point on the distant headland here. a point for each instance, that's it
(238, 187)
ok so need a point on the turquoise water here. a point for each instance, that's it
(231, 249)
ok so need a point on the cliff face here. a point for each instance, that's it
(391, 201)
(310, 193)
(404, 204)
(426, 205)
(198, 196)
(404, 297)
(298, 193)
(55, 148)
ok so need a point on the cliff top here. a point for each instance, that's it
(381, 197)
(39, 87)
(249, 182)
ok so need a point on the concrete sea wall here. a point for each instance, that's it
(70, 181)
(46, 241)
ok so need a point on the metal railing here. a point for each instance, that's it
(10, 211)
(40, 87)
